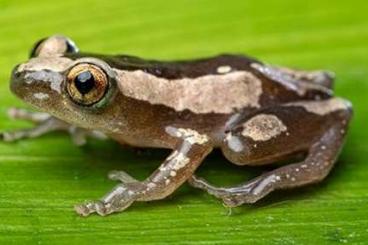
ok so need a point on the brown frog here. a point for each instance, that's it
(255, 113)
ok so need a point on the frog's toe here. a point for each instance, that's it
(84, 209)
(22, 114)
(102, 208)
(79, 135)
(13, 136)
(230, 202)
(121, 176)
(238, 199)
(92, 207)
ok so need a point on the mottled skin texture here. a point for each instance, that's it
(287, 113)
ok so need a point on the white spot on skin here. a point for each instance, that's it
(177, 161)
(151, 185)
(180, 161)
(167, 182)
(263, 127)
(191, 136)
(323, 107)
(203, 94)
(223, 69)
(53, 78)
(41, 96)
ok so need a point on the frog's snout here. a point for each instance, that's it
(18, 82)
(16, 79)
(34, 86)
(15, 72)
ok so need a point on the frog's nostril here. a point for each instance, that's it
(15, 80)
(15, 73)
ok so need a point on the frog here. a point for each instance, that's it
(255, 113)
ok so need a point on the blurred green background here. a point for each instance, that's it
(42, 179)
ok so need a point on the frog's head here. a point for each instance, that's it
(59, 81)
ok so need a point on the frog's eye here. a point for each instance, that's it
(35, 50)
(87, 84)
(54, 45)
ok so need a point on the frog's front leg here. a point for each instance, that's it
(173, 172)
(325, 124)
(46, 123)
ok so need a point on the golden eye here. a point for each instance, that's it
(87, 84)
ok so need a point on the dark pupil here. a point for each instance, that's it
(84, 82)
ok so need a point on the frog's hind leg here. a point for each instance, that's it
(324, 78)
(320, 77)
(287, 75)
(45, 123)
(321, 157)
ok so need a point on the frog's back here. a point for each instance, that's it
(220, 84)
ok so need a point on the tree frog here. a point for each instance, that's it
(254, 112)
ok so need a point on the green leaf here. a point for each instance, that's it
(41, 179)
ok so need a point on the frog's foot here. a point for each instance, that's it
(46, 123)
(117, 200)
(231, 197)
(120, 198)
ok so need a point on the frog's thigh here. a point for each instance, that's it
(324, 78)
(272, 135)
(321, 157)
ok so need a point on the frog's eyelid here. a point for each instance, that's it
(33, 51)
(97, 62)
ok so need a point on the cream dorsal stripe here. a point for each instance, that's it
(323, 107)
(206, 94)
